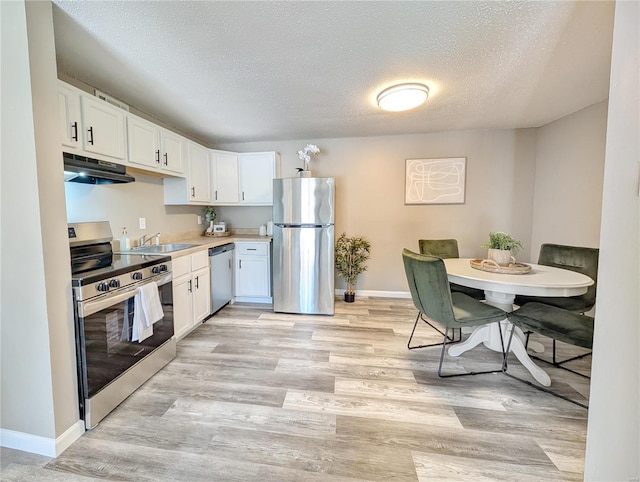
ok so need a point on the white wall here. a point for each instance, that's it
(369, 176)
(568, 180)
(123, 204)
(613, 436)
(39, 396)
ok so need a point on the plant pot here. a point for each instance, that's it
(501, 256)
(349, 297)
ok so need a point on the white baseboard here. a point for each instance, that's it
(378, 294)
(253, 299)
(41, 445)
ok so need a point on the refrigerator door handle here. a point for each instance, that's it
(285, 226)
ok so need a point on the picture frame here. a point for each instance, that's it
(435, 181)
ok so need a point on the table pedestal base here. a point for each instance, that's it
(489, 335)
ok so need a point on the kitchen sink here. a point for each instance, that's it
(161, 248)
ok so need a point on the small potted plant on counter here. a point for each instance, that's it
(502, 248)
(351, 254)
(209, 213)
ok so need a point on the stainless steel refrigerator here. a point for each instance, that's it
(303, 245)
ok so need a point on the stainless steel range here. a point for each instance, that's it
(113, 359)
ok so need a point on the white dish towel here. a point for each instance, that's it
(147, 311)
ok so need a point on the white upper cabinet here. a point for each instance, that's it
(172, 151)
(257, 170)
(225, 177)
(199, 174)
(244, 179)
(144, 142)
(102, 127)
(196, 187)
(154, 148)
(69, 110)
(89, 126)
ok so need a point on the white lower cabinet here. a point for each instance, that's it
(182, 306)
(201, 293)
(191, 291)
(253, 272)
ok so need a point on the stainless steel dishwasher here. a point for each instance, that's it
(221, 262)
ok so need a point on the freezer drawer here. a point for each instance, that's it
(303, 261)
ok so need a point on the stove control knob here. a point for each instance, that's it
(163, 268)
(114, 283)
(155, 270)
(136, 276)
(102, 286)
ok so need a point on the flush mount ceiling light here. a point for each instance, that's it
(402, 97)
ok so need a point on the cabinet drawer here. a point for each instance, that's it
(180, 266)
(200, 260)
(252, 249)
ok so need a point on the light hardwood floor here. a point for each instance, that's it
(254, 395)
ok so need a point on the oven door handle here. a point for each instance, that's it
(88, 308)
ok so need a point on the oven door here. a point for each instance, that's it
(103, 337)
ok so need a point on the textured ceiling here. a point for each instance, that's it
(250, 71)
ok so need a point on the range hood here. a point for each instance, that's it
(93, 171)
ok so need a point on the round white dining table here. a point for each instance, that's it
(500, 290)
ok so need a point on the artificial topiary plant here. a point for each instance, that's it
(351, 255)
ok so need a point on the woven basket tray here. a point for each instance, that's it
(493, 267)
(217, 235)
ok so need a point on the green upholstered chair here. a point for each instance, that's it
(427, 278)
(556, 323)
(442, 248)
(448, 248)
(574, 258)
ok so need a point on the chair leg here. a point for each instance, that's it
(452, 338)
(538, 387)
(444, 347)
(555, 362)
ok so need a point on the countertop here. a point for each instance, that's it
(206, 242)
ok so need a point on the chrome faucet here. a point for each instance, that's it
(146, 238)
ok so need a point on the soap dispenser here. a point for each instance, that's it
(125, 243)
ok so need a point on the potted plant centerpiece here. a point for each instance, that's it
(351, 254)
(502, 248)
